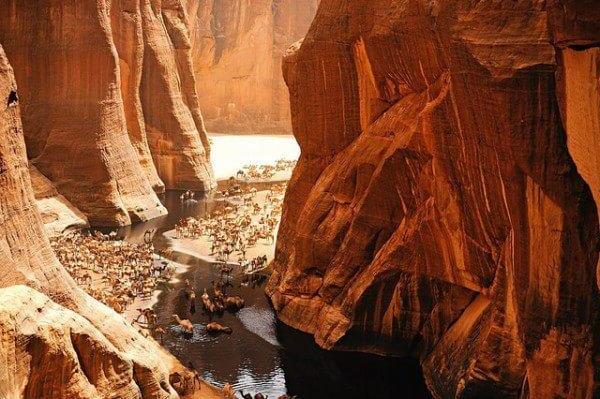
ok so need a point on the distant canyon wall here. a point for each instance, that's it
(444, 203)
(110, 110)
(237, 48)
(56, 341)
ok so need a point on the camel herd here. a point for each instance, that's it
(114, 272)
(237, 227)
(215, 304)
(264, 172)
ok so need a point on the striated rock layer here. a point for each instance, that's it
(55, 340)
(102, 103)
(58, 214)
(443, 206)
(237, 47)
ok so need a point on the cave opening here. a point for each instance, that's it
(13, 99)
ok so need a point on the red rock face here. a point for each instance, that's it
(99, 86)
(55, 340)
(443, 206)
(175, 128)
(237, 49)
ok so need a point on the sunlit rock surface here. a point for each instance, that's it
(237, 47)
(58, 214)
(55, 340)
(174, 125)
(106, 87)
(443, 205)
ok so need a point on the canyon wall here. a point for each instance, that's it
(107, 93)
(56, 341)
(237, 48)
(58, 214)
(443, 205)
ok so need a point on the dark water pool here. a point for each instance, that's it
(262, 354)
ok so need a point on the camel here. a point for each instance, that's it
(267, 236)
(159, 331)
(216, 328)
(181, 383)
(187, 325)
(190, 295)
(148, 315)
(207, 303)
(211, 306)
(234, 303)
(218, 291)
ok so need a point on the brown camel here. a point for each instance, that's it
(187, 325)
(234, 303)
(159, 332)
(216, 328)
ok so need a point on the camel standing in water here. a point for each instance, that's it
(187, 325)
(234, 303)
(216, 328)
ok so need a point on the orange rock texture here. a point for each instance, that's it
(237, 48)
(444, 203)
(55, 340)
(107, 93)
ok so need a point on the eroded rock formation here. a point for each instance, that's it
(99, 83)
(175, 128)
(443, 206)
(55, 340)
(237, 50)
(58, 214)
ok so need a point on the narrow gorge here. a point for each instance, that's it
(237, 48)
(430, 230)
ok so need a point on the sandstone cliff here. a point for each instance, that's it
(237, 50)
(55, 340)
(99, 86)
(58, 214)
(443, 206)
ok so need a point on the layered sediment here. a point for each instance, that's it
(237, 47)
(444, 203)
(55, 340)
(98, 85)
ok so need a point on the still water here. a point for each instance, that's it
(263, 355)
